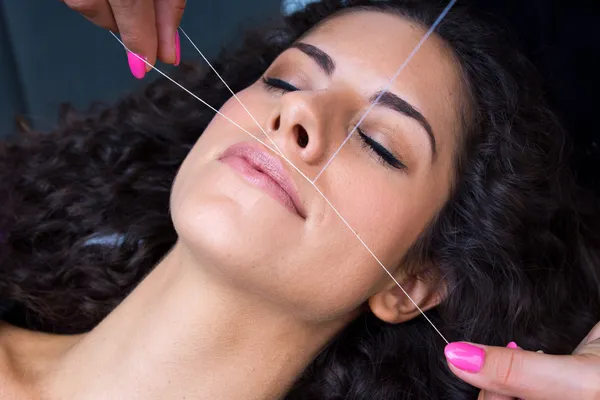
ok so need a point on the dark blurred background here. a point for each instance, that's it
(50, 55)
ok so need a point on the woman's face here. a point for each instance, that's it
(252, 221)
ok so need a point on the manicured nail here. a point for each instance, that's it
(177, 49)
(137, 66)
(512, 345)
(465, 357)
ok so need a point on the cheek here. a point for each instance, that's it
(319, 271)
(217, 136)
(387, 214)
(255, 101)
(343, 273)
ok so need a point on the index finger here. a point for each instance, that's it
(137, 26)
(524, 374)
(591, 341)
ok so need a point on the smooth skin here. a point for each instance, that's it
(149, 27)
(252, 291)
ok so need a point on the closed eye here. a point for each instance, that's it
(278, 84)
(381, 152)
(372, 145)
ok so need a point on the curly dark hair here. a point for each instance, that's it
(517, 243)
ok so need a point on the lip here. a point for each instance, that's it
(265, 171)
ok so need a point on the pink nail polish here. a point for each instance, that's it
(177, 49)
(465, 357)
(137, 66)
(512, 345)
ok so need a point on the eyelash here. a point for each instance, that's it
(279, 85)
(382, 154)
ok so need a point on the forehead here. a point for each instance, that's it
(369, 46)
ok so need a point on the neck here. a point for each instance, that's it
(181, 334)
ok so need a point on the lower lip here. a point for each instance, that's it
(260, 180)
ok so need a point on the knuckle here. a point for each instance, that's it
(506, 369)
(86, 7)
(126, 5)
(180, 5)
(135, 41)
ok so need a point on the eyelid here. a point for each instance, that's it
(384, 154)
(377, 149)
(296, 70)
(274, 79)
(277, 84)
(395, 133)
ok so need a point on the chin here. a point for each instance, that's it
(250, 250)
(224, 221)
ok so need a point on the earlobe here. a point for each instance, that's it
(392, 305)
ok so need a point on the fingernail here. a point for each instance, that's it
(137, 66)
(512, 345)
(177, 49)
(465, 357)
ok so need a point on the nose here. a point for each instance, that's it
(297, 126)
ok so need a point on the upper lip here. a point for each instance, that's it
(265, 162)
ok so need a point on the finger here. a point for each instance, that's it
(137, 26)
(484, 395)
(168, 15)
(523, 374)
(97, 11)
(592, 340)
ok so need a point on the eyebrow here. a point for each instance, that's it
(319, 56)
(388, 99)
(393, 102)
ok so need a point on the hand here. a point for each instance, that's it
(148, 28)
(508, 373)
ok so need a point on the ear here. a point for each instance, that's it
(392, 305)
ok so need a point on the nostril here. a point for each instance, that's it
(301, 136)
(276, 123)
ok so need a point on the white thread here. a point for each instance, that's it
(190, 93)
(318, 191)
(231, 91)
(298, 170)
(387, 87)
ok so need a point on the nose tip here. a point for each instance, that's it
(297, 121)
(299, 132)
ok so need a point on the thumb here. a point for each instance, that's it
(525, 374)
(591, 343)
